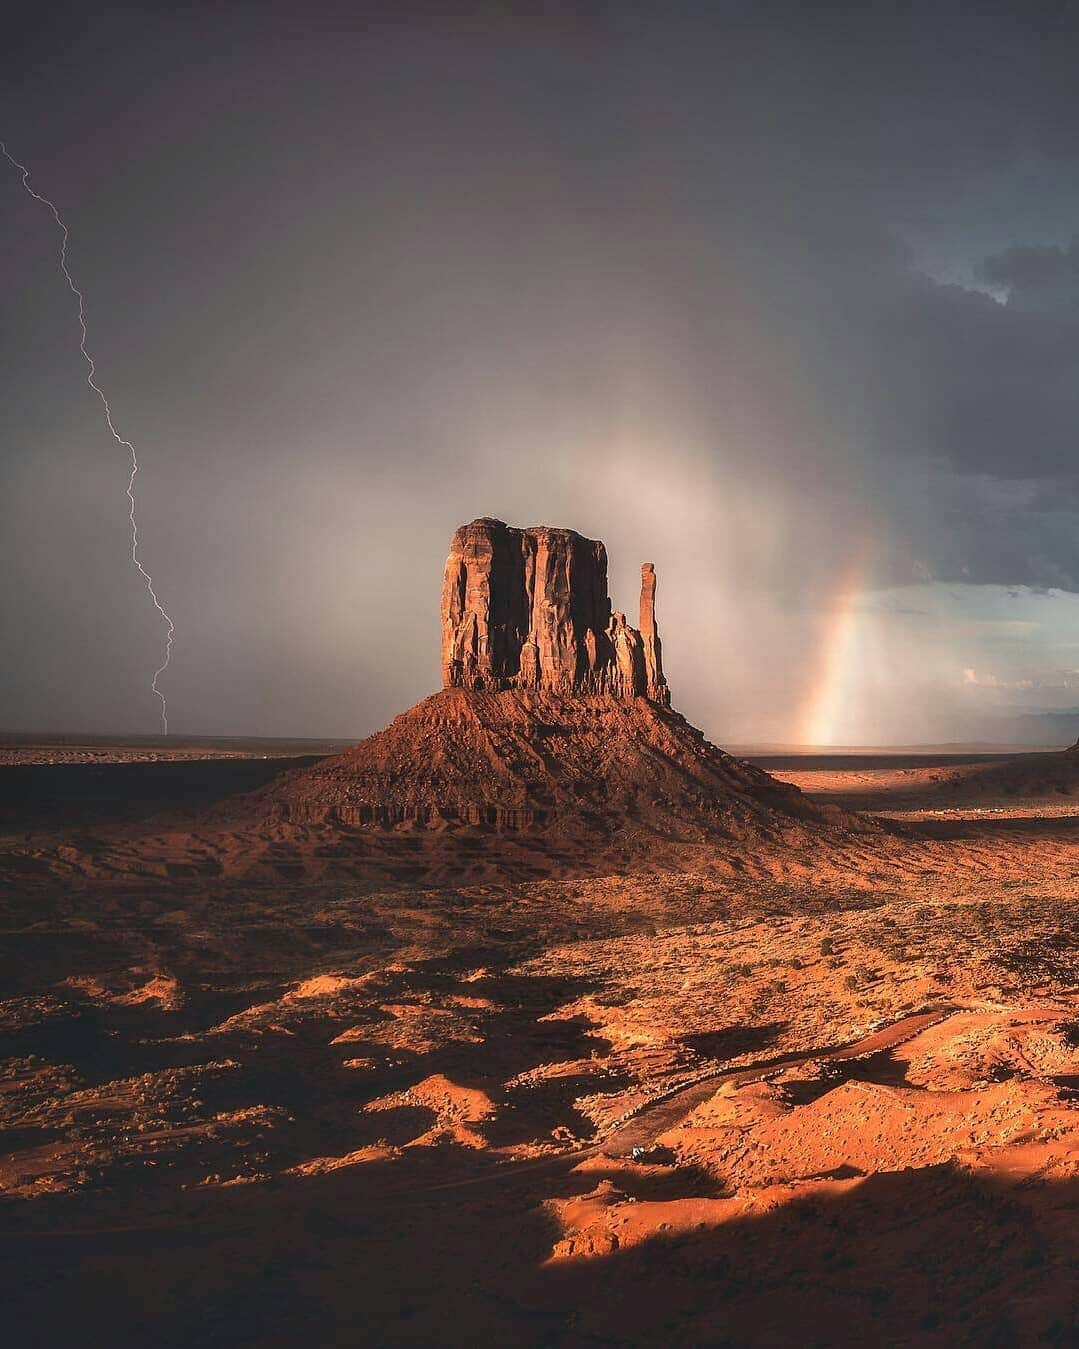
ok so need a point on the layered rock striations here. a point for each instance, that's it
(529, 609)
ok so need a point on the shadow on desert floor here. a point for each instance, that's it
(938, 1256)
(58, 796)
(1000, 829)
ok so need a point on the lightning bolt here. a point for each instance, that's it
(92, 381)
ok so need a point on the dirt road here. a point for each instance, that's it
(664, 1113)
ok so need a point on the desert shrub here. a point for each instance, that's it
(827, 946)
(851, 981)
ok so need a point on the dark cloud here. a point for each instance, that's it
(988, 388)
(355, 274)
(1025, 266)
(1038, 279)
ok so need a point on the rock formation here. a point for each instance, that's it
(529, 609)
(554, 722)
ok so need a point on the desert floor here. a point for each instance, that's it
(824, 1099)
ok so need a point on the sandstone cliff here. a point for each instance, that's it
(529, 609)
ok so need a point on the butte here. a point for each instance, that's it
(553, 731)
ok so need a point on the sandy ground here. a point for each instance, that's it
(823, 1096)
(1035, 785)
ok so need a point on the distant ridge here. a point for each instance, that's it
(239, 744)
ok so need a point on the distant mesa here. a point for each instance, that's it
(528, 609)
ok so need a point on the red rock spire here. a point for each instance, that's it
(655, 684)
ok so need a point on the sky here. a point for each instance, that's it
(783, 298)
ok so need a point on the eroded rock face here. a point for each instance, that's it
(529, 609)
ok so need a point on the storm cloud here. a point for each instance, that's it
(760, 292)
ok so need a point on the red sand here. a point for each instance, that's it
(268, 1080)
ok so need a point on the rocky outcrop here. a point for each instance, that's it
(528, 609)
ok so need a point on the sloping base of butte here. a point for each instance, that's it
(541, 761)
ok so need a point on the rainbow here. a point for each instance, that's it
(836, 666)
